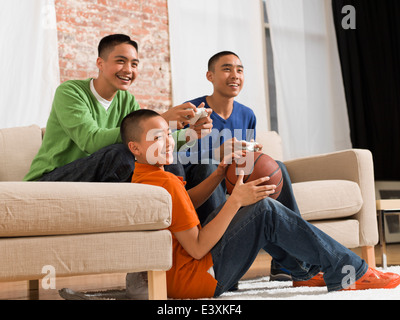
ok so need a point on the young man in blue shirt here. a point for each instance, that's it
(233, 123)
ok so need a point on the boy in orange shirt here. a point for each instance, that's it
(209, 259)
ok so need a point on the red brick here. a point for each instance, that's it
(82, 23)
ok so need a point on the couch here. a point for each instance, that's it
(335, 192)
(61, 229)
(93, 228)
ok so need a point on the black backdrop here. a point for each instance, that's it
(370, 59)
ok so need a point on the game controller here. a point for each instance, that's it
(200, 113)
(250, 146)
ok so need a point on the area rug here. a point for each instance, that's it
(263, 289)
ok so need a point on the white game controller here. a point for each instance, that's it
(250, 146)
(200, 113)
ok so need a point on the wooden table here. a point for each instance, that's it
(385, 207)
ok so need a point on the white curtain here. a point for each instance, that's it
(28, 61)
(312, 115)
(201, 28)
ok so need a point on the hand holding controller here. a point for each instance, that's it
(200, 113)
(251, 146)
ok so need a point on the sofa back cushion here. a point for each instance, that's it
(272, 144)
(18, 147)
(327, 199)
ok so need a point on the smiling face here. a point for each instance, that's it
(118, 69)
(156, 144)
(227, 76)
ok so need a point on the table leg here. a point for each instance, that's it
(382, 240)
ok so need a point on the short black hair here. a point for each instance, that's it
(213, 60)
(130, 127)
(109, 42)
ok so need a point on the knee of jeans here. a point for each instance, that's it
(118, 147)
(281, 165)
(266, 203)
(284, 171)
(118, 150)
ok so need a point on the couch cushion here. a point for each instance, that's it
(327, 199)
(115, 252)
(55, 208)
(18, 147)
(272, 143)
(346, 231)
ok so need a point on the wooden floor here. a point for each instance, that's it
(261, 267)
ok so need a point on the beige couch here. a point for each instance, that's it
(73, 228)
(91, 228)
(335, 192)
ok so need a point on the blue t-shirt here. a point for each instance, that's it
(241, 124)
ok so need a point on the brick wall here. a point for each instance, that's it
(82, 23)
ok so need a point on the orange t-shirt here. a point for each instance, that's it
(188, 278)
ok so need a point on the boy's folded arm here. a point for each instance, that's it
(189, 241)
(198, 242)
(200, 193)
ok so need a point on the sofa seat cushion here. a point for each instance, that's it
(55, 208)
(327, 199)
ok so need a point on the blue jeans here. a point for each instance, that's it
(114, 163)
(293, 242)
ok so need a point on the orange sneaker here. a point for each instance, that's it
(316, 281)
(374, 279)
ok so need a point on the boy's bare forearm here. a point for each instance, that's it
(215, 229)
(198, 242)
(200, 193)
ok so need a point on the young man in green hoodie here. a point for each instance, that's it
(82, 140)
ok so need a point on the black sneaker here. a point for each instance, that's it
(278, 273)
(69, 294)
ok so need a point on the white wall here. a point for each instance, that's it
(28, 61)
(311, 104)
(201, 28)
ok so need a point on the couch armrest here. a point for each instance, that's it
(354, 165)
